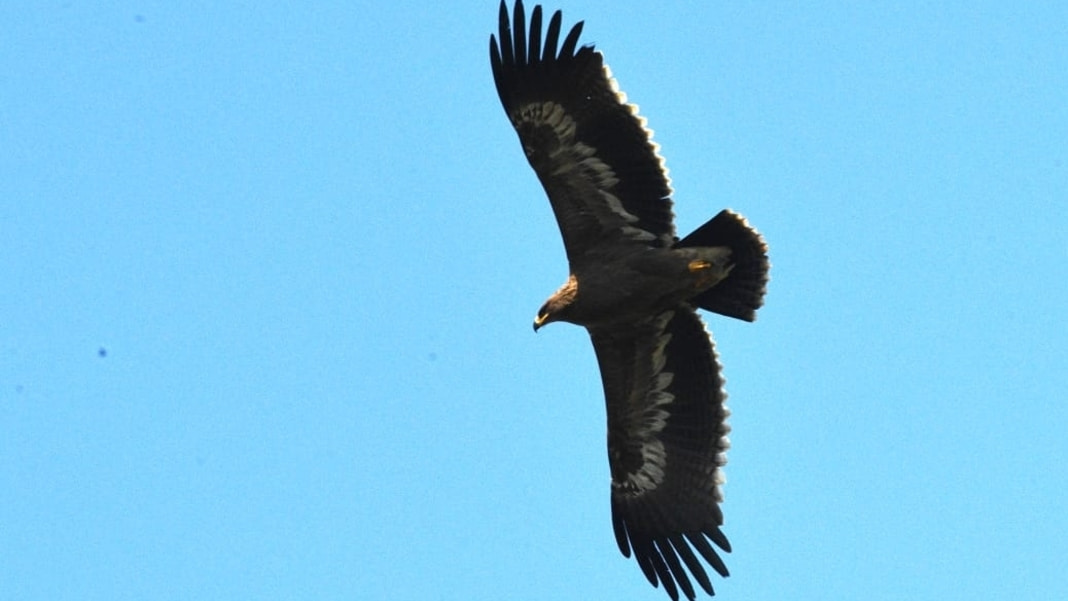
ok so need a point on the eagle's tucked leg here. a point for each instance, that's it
(698, 265)
(711, 269)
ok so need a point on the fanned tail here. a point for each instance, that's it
(742, 292)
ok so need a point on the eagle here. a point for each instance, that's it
(636, 287)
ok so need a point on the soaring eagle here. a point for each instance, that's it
(636, 287)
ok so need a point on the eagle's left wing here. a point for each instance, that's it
(605, 180)
(667, 440)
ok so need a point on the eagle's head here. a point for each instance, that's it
(558, 305)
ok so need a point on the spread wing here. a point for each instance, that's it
(667, 440)
(591, 151)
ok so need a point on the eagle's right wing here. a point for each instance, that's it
(593, 154)
(667, 440)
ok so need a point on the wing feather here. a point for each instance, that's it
(691, 561)
(506, 56)
(667, 440)
(535, 32)
(605, 180)
(551, 36)
(520, 35)
(667, 550)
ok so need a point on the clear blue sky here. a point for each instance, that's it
(308, 245)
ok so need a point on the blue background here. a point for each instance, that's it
(267, 276)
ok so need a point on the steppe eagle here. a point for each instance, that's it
(636, 287)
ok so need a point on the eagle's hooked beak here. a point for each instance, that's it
(540, 320)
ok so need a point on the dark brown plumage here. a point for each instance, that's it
(636, 288)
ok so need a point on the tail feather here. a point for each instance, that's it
(742, 292)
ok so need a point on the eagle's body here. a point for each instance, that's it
(636, 287)
(628, 284)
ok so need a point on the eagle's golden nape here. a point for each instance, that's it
(636, 287)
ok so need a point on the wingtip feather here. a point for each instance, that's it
(571, 41)
(552, 36)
